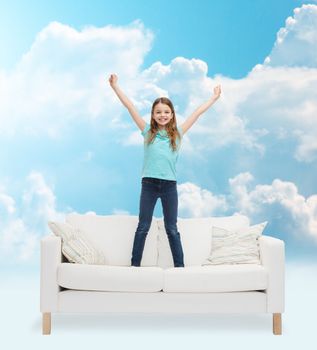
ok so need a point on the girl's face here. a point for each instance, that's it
(162, 114)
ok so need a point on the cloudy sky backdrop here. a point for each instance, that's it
(67, 144)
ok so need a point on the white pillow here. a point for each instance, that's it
(235, 247)
(75, 246)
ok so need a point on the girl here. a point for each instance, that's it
(162, 139)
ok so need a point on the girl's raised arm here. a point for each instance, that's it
(140, 122)
(194, 116)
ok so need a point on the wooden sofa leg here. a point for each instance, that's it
(46, 323)
(277, 324)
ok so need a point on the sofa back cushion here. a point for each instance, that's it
(114, 235)
(196, 237)
(76, 246)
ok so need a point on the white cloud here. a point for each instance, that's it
(307, 149)
(284, 99)
(265, 201)
(63, 78)
(275, 96)
(300, 212)
(296, 43)
(23, 226)
(239, 191)
(39, 202)
(197, 202)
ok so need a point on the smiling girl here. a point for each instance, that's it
(162, 140)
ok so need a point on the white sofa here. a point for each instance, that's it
(157, 286)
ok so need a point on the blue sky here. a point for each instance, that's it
(214, 31)
(68, 145)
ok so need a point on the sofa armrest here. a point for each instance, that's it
(51, 256)
(272, 254)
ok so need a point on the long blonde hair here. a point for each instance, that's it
(171, 127)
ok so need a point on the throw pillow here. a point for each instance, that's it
(75, 245)
(235, 247)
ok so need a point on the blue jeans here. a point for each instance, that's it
(152, 189)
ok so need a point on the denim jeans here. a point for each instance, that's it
(152, 189)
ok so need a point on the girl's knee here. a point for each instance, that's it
(171, 229)
(143, 226)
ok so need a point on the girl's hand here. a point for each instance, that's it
(217, 92)
(113, 80)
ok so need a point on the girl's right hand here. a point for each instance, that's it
(113, 80)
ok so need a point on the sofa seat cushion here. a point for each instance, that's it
(216, 278)
(110, 278)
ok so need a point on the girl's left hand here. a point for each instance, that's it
(217, 91)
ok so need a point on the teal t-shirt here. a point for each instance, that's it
(159, 158)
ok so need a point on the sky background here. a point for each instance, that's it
(67, 144)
